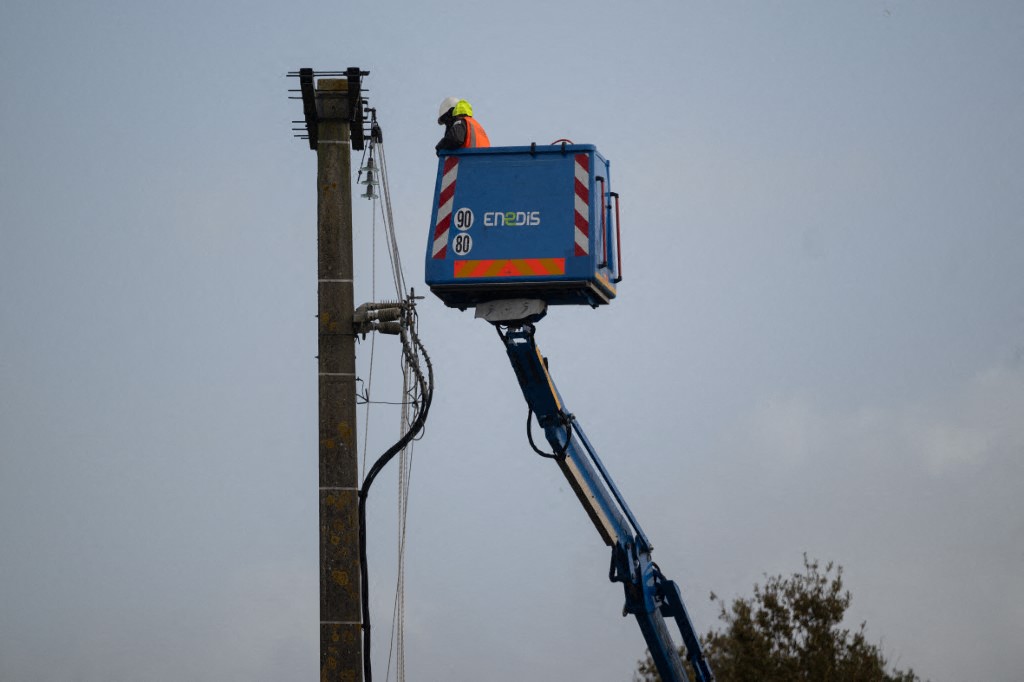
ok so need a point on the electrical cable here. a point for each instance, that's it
(566, 419)
(412, 353)
(405, 480)
(396, 641)
(396, 258)
(398, 614)
(418, 389)
(373, 338)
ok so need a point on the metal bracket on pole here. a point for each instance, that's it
(350, 97)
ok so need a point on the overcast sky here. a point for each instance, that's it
(818, 347)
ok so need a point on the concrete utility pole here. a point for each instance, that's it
(341, 654)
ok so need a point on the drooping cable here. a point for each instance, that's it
(565, 419)
(414, 353)
(559, 452)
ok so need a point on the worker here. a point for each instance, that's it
(461, 130)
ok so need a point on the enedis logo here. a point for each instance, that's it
(511, 218)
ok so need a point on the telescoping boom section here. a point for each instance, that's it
(538, 222)
(650, 597)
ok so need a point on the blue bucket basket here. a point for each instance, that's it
(524, 222)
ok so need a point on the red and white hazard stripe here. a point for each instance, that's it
(582, 232)
(445, 201)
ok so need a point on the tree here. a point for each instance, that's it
(791, 630)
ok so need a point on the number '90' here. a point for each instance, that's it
(464, 219)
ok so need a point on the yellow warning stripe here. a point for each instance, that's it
(509, 267)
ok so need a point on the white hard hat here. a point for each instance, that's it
(446, 104)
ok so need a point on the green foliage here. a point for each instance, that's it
(789, 631)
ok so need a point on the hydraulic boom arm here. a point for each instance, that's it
(650, 596)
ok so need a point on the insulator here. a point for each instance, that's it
(370, 169)
(389, 327)
(389, 314)
(363, 314)
(368, 311)
(371, 180)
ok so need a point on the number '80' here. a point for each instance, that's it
(462, 244)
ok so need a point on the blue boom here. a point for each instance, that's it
(650, 596)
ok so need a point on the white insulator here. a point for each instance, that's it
(371, 179)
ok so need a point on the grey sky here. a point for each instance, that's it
(818, 347)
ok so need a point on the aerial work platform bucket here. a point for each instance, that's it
(524, 222)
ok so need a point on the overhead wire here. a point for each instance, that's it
(396, 258)
(397, 639)
(405, 457)
(417, 391)
(373, 337)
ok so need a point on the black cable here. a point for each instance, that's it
(427, 392)
(363, 401)
(559, 452)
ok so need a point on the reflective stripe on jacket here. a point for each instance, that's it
(475, 134)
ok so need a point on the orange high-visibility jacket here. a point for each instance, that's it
(475, 134)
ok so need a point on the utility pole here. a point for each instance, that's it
(333, 110)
